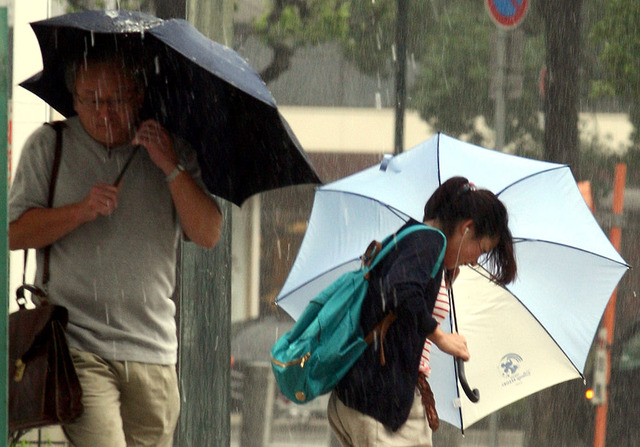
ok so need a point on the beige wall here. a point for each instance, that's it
(367, 130)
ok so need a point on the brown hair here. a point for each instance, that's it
(457, 200)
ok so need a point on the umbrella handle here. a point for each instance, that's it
(473, 395)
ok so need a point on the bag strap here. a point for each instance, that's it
(374, 253)
(380, 332)
(391, 241)
(58, 126)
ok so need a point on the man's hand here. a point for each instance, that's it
(199, 214)
(158, 143)
(39, 227)
(102, 200)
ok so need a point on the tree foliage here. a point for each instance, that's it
(617, 34)
(452, 89)
(449, 43)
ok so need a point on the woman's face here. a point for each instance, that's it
(464, 247)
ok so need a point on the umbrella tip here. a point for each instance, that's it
(386, 159)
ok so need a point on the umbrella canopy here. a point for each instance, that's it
(532, 334)
(199, 89)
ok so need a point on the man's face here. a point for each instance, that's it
(107, 103)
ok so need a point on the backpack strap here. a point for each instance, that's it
(391, 241)
(374, 253)
(380, 332)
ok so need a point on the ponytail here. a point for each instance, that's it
(456, 200)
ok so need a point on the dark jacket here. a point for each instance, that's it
(406, 282)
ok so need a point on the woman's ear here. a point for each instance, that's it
(465, 226)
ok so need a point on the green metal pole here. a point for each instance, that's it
(4, 238)
(204, 362)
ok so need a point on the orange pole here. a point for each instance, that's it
(608, 320)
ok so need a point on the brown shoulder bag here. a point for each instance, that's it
(43, 385)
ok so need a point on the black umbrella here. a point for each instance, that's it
(201, 90)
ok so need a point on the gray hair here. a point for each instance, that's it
(127, 67)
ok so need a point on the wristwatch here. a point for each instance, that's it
(177, 170)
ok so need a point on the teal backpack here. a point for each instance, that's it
(325, 342)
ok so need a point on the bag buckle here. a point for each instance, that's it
(20, 367)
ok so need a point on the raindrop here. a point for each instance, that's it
(144, 296)
(106, 312)
(126, 370)
(93, 39)
(393, 52)
(279, 249)
(378, 98)
(156, 60)
(95, 289)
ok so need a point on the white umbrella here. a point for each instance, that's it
(533, 334)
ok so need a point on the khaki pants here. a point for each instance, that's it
(125, 403)
(355, 429)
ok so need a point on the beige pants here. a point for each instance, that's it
(125, 403)
(355, 429)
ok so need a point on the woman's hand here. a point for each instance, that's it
(454, 344)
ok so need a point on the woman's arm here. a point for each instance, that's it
(454, 344)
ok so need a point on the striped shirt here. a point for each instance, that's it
(440, 312)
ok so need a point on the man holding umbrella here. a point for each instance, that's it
(112, 238)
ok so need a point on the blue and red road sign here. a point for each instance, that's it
(507, 13)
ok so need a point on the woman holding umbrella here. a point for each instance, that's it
(379, 404)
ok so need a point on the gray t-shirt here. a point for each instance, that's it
(115, 274)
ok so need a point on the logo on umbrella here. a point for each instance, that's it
(512, 369)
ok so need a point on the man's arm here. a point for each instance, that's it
(39, 227)
(199, 214)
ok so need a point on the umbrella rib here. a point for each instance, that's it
(394, 210)
(517, 240)
(480, 270)
(520, 180)
(310, 280)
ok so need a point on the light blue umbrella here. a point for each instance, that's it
(535, 333)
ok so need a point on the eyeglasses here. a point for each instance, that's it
(96, 102)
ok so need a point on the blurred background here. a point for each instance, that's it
(360, 79)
